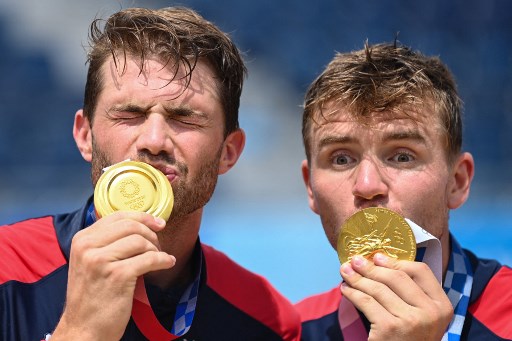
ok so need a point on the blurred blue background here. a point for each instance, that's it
(259, 214)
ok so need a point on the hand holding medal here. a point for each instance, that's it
(137, 186)
(372, 246)
(109, 258)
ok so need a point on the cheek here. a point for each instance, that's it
(331, 203)
(111, 138)
(426, 203)
(330, 188)
(432, 188)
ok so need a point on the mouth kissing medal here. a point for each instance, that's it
(373, 230)
(133, 186)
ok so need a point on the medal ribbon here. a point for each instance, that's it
(350, 322)
(457, 285)
(144, 316)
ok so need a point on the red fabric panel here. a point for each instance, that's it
(148, 324)
(29, 250)
(251, 293)
(320, 305)
(494, 307)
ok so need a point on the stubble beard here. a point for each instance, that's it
(189, 196)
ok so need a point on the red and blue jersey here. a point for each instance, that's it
(489, 315)
(232, 304)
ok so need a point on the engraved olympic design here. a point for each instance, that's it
(369, 244)
(129, 188)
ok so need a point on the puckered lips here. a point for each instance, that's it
(170, 172)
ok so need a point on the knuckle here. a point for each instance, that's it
(401, 276)
(80, 242)
(414, 321)
(118, 275)
(142, 243)
(392, 327)
(136, 227)
(367, 300)
(423, 267)
(92, 260)
(379, 290)
(447, 312)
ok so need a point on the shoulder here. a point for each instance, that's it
(30, 250)
(320, 305)
(493, 307)
(251, 293)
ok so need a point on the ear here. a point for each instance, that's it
(306, 176)
(231, 151)
(83, 135)
(462, 175)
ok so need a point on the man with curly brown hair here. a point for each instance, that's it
(163, 87)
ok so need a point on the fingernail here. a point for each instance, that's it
(380, 258)
(343, 286)
(160, 221)
(359, 261)
(347, 269)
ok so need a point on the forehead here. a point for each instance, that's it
(165, 76)
(338, 120)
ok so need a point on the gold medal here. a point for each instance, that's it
(373, 230)
(133, 186)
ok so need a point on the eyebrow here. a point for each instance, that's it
(169, 110)
(328, 140)
(394, 136)
(181, 111)
(405, 135)
(129, 107)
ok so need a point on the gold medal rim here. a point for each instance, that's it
(164, 199)
(402, 220)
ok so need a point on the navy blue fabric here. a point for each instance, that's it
(30, 311)
(484, 270)
(326, 328)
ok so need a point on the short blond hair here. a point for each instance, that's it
(385, 77)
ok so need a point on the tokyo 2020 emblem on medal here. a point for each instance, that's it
(133, 186)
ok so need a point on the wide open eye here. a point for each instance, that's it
(403, 157)
(342, 159)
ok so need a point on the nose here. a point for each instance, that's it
(370, 183)
(154, 135)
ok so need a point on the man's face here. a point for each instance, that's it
(397, 162)
(147, 117)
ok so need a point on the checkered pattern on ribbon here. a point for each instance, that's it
(90, 216)
(457, 285)
(186, 309)
(187, 305)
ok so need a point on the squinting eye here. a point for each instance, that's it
(403, 157)
(128, 115)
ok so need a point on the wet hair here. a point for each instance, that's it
(179, 38)
(385, 77)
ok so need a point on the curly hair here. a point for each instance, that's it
(179, 37)
(385, 78)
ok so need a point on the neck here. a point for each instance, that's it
(178, 239)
